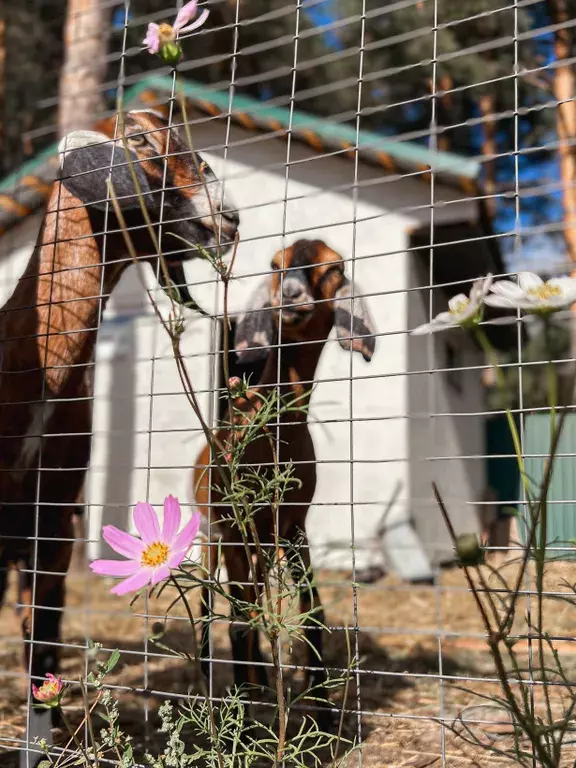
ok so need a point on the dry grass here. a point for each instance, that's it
(418, 646)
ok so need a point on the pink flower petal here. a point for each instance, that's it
(187, 534)
(152, 39)
(115, 567)
(133, 583)
(146, 521)
(176, 558)
(172, 518)
(160, 574)
(122, 542)
(198, 23)
(185, 14)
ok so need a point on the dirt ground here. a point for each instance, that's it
(421, 659)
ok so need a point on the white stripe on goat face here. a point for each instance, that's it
(212, 199)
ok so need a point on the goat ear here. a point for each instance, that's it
(86, 158)
(255, 329)
(362, 325)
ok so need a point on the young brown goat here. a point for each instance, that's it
(48, 330)
(315, 296)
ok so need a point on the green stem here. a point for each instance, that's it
(493, 359)
(200, 673)
(542, 539)
(73, 736)
(90, 724)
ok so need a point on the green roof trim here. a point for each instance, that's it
(407, 153)
(50, 154)
(19, 199)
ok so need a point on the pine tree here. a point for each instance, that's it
(85, 62)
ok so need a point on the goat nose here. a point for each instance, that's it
(292, 289)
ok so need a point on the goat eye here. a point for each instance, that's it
(137, 141)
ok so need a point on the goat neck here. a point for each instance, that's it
(293, 365)
(55, 306)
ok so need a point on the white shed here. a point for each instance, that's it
(383, 431)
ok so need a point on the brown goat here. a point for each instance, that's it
(48, 330)
(315, 296)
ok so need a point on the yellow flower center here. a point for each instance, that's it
(166, 33)
(155, 554)
(545, 291)
(49, 690)
(460, 307)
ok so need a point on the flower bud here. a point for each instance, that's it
(158, 629)
(235, 386)
(469, 550)
(171, 53)
(50, 692)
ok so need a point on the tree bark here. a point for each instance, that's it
(489, 150)
(446, 105)
(86, 45)
(2, 85)
(80, 105)
(563, 87)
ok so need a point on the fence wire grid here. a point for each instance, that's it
(380, 157)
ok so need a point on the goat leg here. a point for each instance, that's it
(249, 669)
(41, 628)
(298, 556)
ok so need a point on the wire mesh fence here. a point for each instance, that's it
(216, 245)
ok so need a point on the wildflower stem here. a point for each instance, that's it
(200, 673)
(90, 724)
(491, 355)
(275, 641)
(72, 735)
(72, 732)
(540, 549)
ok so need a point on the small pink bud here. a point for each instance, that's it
(228, 457)
(235, 386)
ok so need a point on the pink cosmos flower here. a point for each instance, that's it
(150, 558)
(159, 34)
(49, 692)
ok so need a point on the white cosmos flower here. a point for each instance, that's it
(532, 294)
(464, 311)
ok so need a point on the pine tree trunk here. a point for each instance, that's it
(489, 149)
(86, 45)
(564, 84)
(80, 105)
(2, 87)
(446, 106)
(563, 88)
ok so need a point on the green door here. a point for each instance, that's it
(562, 493)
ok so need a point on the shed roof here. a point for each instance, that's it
(26, 189)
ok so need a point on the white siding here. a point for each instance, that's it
(446, 432)
(134, 430)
